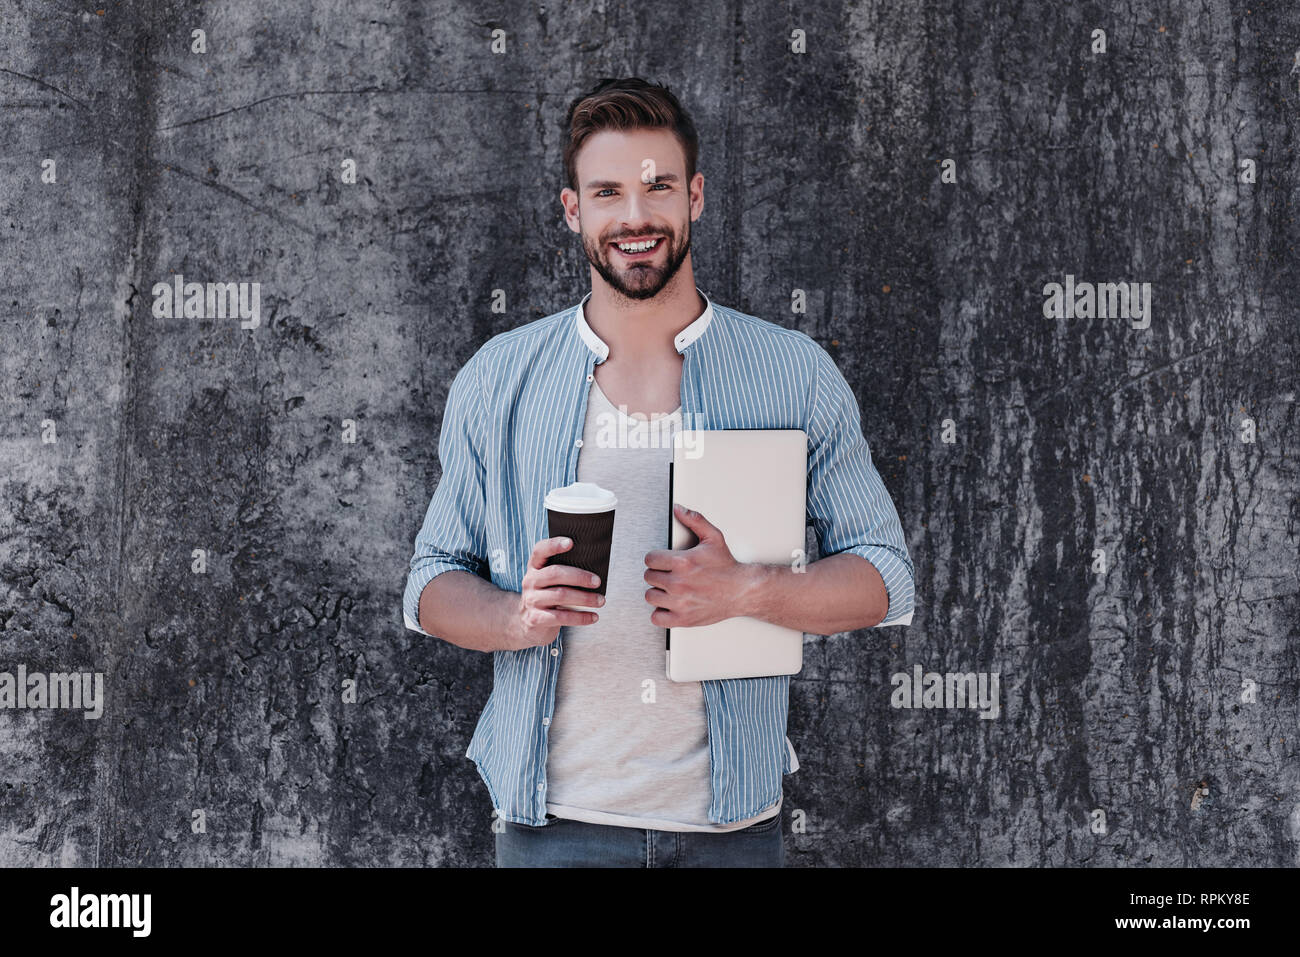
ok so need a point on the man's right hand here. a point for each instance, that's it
(537, 620)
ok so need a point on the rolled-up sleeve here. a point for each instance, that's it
(453, 534)
(850, 508)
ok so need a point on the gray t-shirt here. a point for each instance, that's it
(628, 746)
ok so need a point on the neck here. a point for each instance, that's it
(643, 328)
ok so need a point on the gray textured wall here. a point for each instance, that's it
(1122, 691)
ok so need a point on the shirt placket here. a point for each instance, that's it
(687, 399)
(689, 416)
(556, 654)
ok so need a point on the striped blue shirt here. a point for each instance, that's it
(512, 430)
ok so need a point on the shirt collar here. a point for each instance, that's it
(681, 341)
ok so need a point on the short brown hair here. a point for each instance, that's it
(627, 104)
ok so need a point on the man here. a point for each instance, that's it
(591, 756)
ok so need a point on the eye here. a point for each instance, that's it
(605, 190)
(664, 185)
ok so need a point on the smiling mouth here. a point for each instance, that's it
(639, 248)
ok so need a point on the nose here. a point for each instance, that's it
(634, 211)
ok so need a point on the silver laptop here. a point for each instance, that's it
(752, 484)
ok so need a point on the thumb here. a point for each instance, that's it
(697, 523)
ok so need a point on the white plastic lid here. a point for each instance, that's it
(581, 498)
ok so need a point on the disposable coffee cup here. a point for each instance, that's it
(583, 512)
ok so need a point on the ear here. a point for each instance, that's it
(697, 195)
(569, 201)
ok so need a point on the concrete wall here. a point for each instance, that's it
(1160, 692)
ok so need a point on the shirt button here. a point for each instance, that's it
(578, 443)
(541, 786)
(546, 721)
(590, 377)
(554, 652)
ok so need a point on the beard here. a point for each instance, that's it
(638, 280)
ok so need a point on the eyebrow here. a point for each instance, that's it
(615, 184)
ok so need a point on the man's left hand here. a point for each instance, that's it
(699, 585)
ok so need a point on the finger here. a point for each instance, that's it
(552, 617)
(659, 598)
(659, 578)
(553, 575)
(546, 548)
(660, 559)
(550, 597)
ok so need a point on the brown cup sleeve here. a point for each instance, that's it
(592, 535)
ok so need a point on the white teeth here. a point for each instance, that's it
(637, 247)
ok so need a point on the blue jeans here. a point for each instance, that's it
(562, 842)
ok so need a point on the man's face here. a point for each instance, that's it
(632, 190)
